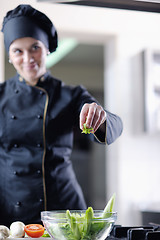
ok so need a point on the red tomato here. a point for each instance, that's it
(34, 230)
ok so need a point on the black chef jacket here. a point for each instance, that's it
(36, 135)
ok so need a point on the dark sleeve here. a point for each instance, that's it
(112, 129)
(2, 85)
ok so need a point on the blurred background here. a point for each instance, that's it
(114, 51)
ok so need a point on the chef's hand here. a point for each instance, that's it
(93, 115)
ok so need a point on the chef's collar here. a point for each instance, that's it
(41, 79)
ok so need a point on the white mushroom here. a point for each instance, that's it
(17, 229)
(4, 232)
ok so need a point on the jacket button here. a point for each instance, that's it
(18, 204)
(39, 171)
(16, 91)
(13, 117)
(39, 116)
(15, 145)
(41, 200)
(15, 172)
(38, 145)
(41, 92)
(42, 79)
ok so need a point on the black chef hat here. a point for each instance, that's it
(25, 21)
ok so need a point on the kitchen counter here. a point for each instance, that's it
(28, 238)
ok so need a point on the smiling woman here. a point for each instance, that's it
(37, 116)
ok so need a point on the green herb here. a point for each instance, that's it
(45, 234)
(87, 130)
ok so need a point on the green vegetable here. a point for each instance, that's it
(73, 225)
(87, 130)
(109, 207)
(83, 226)
(45, 234)
(88, 220)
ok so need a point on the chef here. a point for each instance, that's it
(37, 115)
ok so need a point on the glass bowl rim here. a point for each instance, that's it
(45, 215)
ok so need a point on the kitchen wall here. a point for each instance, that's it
(132, 162)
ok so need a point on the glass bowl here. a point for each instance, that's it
(78, 227)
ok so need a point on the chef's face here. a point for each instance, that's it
(28, 56)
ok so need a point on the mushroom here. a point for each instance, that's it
(4, 232)
(17, 229)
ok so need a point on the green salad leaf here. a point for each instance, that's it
(89, 215)
(46, 234)
(107, 212)
(84, 226)
(87, 130)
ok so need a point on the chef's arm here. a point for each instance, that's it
(106, 126)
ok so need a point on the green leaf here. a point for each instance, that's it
(109, 207)
(87, 130)
(73, 225)
(45, 234)
(88, 220)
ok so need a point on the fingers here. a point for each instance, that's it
(90, 121)
(93, 115)
(100, 121)
(83, 115)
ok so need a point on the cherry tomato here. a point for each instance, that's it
(34, 230)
